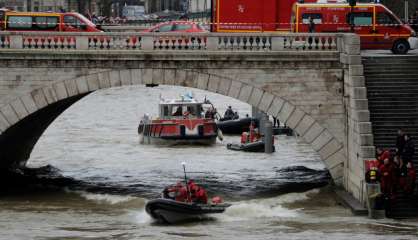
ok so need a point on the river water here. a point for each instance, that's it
(99, 178)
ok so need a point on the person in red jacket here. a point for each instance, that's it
(198, 194)
(201, 196)
(177, 192)
(387, 177)
(382, 155)
(192, 190)
(182, 195)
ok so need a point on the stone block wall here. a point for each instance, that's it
(359, 138)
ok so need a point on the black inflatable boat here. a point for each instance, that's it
(236, 126)
(283, 131)
(171, 211)
(248, 147)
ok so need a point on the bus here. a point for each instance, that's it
(376, 25)
(45, 21)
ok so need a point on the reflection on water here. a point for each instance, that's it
(101, 179)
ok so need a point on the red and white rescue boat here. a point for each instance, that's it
(180, 121)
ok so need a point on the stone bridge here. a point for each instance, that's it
(313, 83)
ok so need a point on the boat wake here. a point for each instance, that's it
(233, 187)
(250, 199)
(267, 207)
(125, 201)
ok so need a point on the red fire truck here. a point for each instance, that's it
(376, 25)
(252, 15)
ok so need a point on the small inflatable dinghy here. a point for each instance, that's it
(236, 126)
(248, 147)
(171, 211)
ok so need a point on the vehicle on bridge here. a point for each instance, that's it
(180, 121)
(252, 16)
(377, 26)
(45, 22)
(177, 26)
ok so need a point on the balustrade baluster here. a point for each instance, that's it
(173, 42)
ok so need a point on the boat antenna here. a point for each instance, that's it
(185, 179)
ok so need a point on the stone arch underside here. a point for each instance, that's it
(23, 120)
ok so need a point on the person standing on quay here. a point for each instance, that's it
(408, 149)
(400, 142)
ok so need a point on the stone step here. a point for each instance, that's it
(393, 75)
(391, 127)
(395, 97)
(382, 61)
(389, 65)
(368, 67)
(394, 93)
(386, 140)
(374, 104)
(392, 71)
(380, 132)
(401, 98)
(379, 62)
(388, 136)
(390, 143)
(392, 84)
(408, 118)
(377, 83)
(410, 115)
(402, 109)
(412, 119)
(380, 79)
(397, 88)
(394, 63)
(388, 104)
(402, 122)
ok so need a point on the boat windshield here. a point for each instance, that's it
(180, 110)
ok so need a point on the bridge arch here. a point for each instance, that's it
(24, 119)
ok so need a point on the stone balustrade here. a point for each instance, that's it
(172, 41)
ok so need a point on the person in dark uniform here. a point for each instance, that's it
(229, 114)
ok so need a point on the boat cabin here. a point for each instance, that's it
(180, 108)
